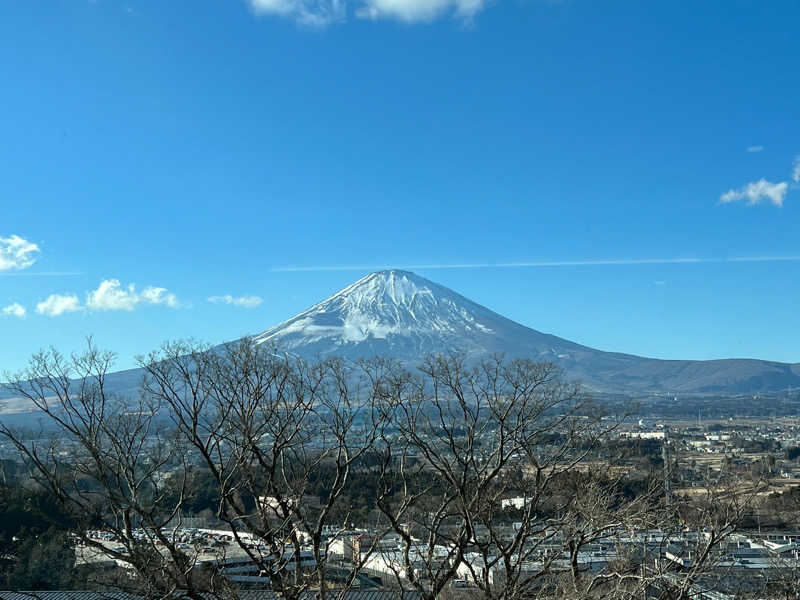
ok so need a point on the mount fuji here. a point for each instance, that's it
(402, 315)
(405, 316)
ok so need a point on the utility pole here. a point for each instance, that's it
(665, 459)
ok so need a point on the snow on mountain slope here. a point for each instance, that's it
(405, 316)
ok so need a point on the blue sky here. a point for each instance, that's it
(277, 150)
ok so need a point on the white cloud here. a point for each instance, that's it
(415, 11)
(309, 13)
(321, 13)
(110, 295)
(13, 310)
(159, 295)
(243, 301)
(58, 304)
(755, 148)
(796, 169)
(757, 191)
(17, 253)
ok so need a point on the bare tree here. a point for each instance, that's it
(261, 424)
(465, 440)
(486, 477)
(103, 464)
(692, 552)
(265, 425)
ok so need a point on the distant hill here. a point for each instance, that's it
(405, 316)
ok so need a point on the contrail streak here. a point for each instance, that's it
(541, 263)
(40, 273)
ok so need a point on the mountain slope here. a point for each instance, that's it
(400, 314)
(405, 316)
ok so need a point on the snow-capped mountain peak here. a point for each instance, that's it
(401, 315)
(382, 306)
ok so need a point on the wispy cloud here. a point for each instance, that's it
(110, 295)
(765, 259)
(58, 304)
(796, 169)
(538, 263)
(308, 13)
(242, 301)
(13, 310)
(17, 253)
(41, 273)
(755, 148)
(756, 192)
(419, 11)
(321, 13)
